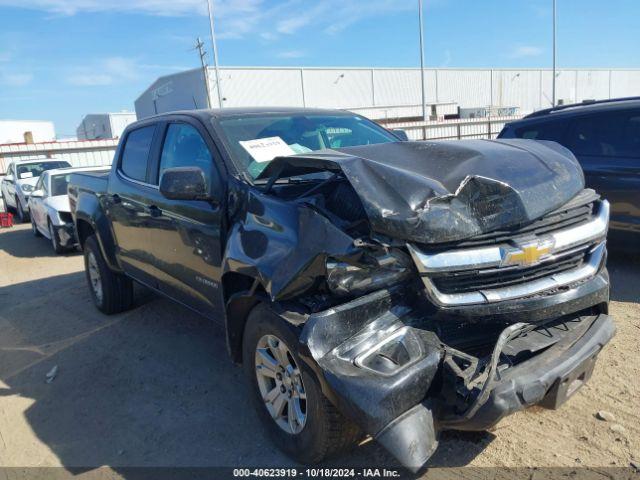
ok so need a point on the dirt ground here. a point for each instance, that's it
(154, 386)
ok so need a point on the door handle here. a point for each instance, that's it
(154, 211)
(116, 198)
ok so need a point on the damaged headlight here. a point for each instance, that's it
(376, 271)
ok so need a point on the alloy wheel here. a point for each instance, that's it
(280, 384)
(94, 276)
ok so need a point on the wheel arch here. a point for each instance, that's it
(91, 219)
(241, 294)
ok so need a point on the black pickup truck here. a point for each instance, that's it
(368, 285)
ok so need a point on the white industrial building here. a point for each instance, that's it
(26, 131)
(384, 92)
(96, 126)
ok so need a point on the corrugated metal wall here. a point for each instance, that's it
(86, 153)
(528, 89)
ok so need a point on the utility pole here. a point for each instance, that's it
(203, 62)
(215, 52)
(424, 101)
(553, 84)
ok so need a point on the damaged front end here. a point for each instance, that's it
(383, 364)
(433, 285)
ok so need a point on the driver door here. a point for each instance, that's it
(186, 234)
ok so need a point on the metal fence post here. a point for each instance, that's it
(458, 131)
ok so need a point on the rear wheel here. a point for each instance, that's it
(299, 418)
(111, 292)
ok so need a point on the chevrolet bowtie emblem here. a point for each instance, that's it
(529, 254)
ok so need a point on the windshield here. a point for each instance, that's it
(254, 140)
(34, 170)
(59, 184)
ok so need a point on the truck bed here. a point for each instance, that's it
(95, 182)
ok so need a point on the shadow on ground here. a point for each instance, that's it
(150, 387)
(21, 243)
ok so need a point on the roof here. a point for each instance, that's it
(36, 159)
(586, 106)
(204, 114)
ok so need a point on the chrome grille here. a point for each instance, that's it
(565, 247)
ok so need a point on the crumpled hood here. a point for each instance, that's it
(434, 192)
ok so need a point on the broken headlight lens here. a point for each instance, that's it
(377, 271)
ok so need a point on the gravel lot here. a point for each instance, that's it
(154, 386)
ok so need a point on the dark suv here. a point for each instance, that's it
(605, 137)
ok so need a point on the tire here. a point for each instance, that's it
(34, 228)
(325, 432)
(21, 215)
(113, 292)
(55, 242)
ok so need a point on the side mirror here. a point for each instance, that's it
(9, 178)
(184, 183)
(37, 194)
(401, 134)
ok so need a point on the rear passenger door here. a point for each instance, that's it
(186, 234)
(128, 201)
(607, 145)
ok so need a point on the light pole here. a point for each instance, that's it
(215, 52)
(424, 102)
(553, 82)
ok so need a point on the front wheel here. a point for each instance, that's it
(20, 213)
(55, 242)
(111, 292)
(34, 228)
(299, 418)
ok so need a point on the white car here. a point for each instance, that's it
(49, 207)
(20, 180)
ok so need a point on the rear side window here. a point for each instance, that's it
(542, 131)
(135, 154)
(615, 134)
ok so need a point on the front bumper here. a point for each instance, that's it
(383, 365)
(66, 234)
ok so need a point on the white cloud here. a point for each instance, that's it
(291, 54)
(238, 18)
(148, 7)
(524, 51)
(115, 70)
(90, 79)
(16, 79)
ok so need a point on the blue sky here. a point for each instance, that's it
(61, 59)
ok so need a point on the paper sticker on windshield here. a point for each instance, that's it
(266, 149)
(26, 175)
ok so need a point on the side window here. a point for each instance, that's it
(135, 154)
(184, 147)
(542, 131)
(45, 184)
(630, 144)
(606, 135)
(39, 183)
